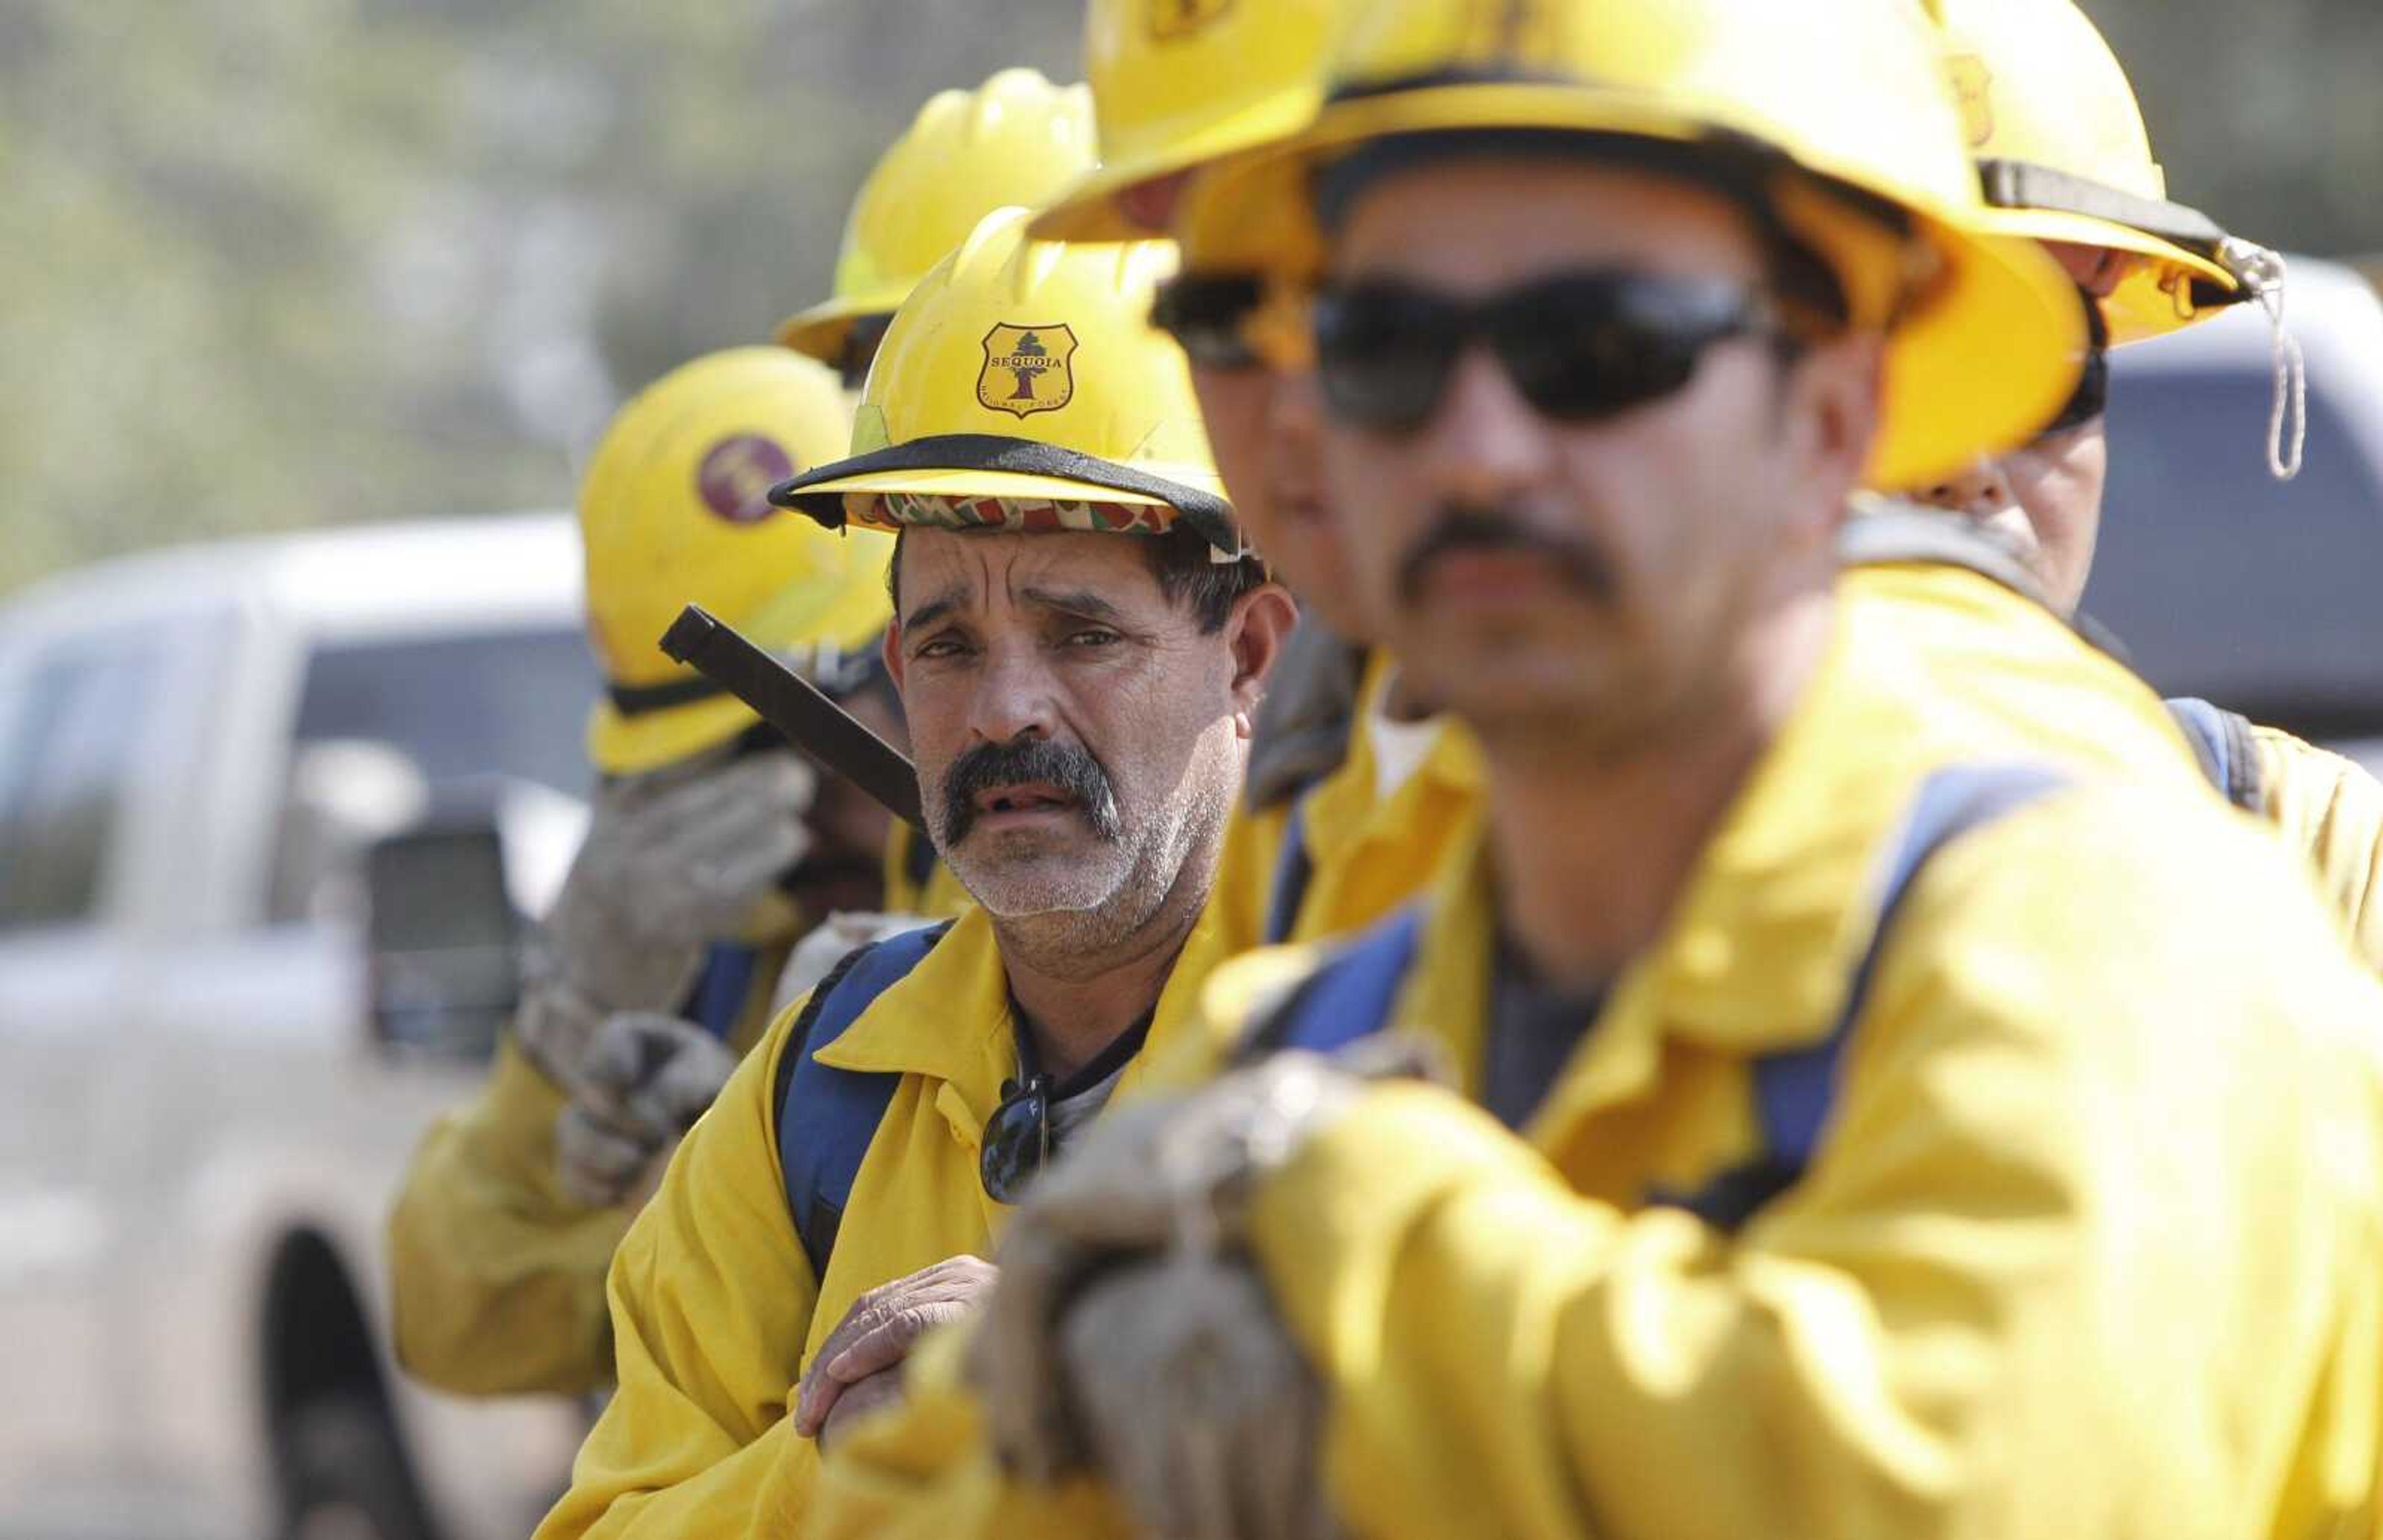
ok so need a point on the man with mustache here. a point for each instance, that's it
(1080, 640)
(1881, 1113)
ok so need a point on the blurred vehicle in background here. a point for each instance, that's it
(2265, 597)
(268, 810)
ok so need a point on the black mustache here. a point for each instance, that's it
(1580, 565)
(990, 766)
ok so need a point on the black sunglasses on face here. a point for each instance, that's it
(1578, 347)
(1209, 316)
(1016, 1139)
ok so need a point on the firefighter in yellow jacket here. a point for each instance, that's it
(709, 843)
(1081, 640)
(2064, 159)
(1355, 792)
(1881, 1116)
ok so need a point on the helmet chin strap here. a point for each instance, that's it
(2261, 272)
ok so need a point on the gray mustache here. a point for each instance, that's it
(991, 767)
(1581, 566)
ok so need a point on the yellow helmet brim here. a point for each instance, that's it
(1192, 494)
(1978, 360)
(619, 744)
(2155, 299)
(1088, 210)
(821, 330)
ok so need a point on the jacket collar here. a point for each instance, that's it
(949, 1019)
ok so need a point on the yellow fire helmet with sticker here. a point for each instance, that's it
(2063, 155)
(674, 511)
(1022, 387)
(1016, 139)
(1837, 114)
(1177, 83)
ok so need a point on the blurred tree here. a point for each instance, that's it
(274, 263)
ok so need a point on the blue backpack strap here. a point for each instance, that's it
(1794, 1088)
(826, 1115)
(1294, 868)
(2221, 741)
(722, 988)
(1351, 996)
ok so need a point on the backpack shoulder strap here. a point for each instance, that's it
(1295, 868)
(826, 1115)
(1349, 997)
(1794, 1088)
(2221, 741)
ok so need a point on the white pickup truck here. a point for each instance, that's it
(213, 1066)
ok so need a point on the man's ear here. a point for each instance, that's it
(890, 648)
(1260, 624)
(1832, 407)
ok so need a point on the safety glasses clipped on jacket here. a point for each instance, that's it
(1579, 347)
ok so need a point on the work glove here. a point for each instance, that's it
(836, 938)
(644, 1080)
(674, 861)
(1130, 1333)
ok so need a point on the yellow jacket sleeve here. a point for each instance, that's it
(711, 1300)
(2090, 1248)
(497, 1277)
(2332, 811)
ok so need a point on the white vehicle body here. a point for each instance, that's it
(200, 1136)
(2259, 595)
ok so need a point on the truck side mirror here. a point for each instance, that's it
(443, 938)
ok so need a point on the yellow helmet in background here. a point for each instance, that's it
(2063, 155)
(674, 511)
(1016, 139)
(1842, 106)
(1023, 386)
(1180, 82)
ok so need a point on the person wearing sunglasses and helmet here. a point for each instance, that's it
(711, 847)
(2065, 160)
(1355, 792)
(1079, 639)
(1847, 1069)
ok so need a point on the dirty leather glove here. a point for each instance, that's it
(674, 861)
(836, 938)
(1196, 1405)
(646, 1080)
(1147, 1212)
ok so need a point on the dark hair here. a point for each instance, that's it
(1180, 559)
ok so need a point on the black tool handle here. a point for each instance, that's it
(795, 707)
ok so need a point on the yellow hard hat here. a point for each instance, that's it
(674, 511)
(1023, 386)
(2063, 155)
(1843, 108)
(1016, 139)
(1179, 83)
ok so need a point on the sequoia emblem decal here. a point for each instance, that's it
(1027, 369)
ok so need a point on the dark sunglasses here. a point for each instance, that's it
(861, 340)
(1016, 1139)
(2090, 400)
(1579, 347)
(1209, 316)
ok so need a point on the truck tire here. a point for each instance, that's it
(345, 1475)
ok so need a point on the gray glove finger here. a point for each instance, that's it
(708, 813)
(598, 1163)
(655, 1074)
(686, 1084)
(557, 1030)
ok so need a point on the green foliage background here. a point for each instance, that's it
(266, 263)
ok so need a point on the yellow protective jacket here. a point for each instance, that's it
(1363, 853)
(2092, 1242)
(715, 1311)
(2332, 810)
(497, 1277)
